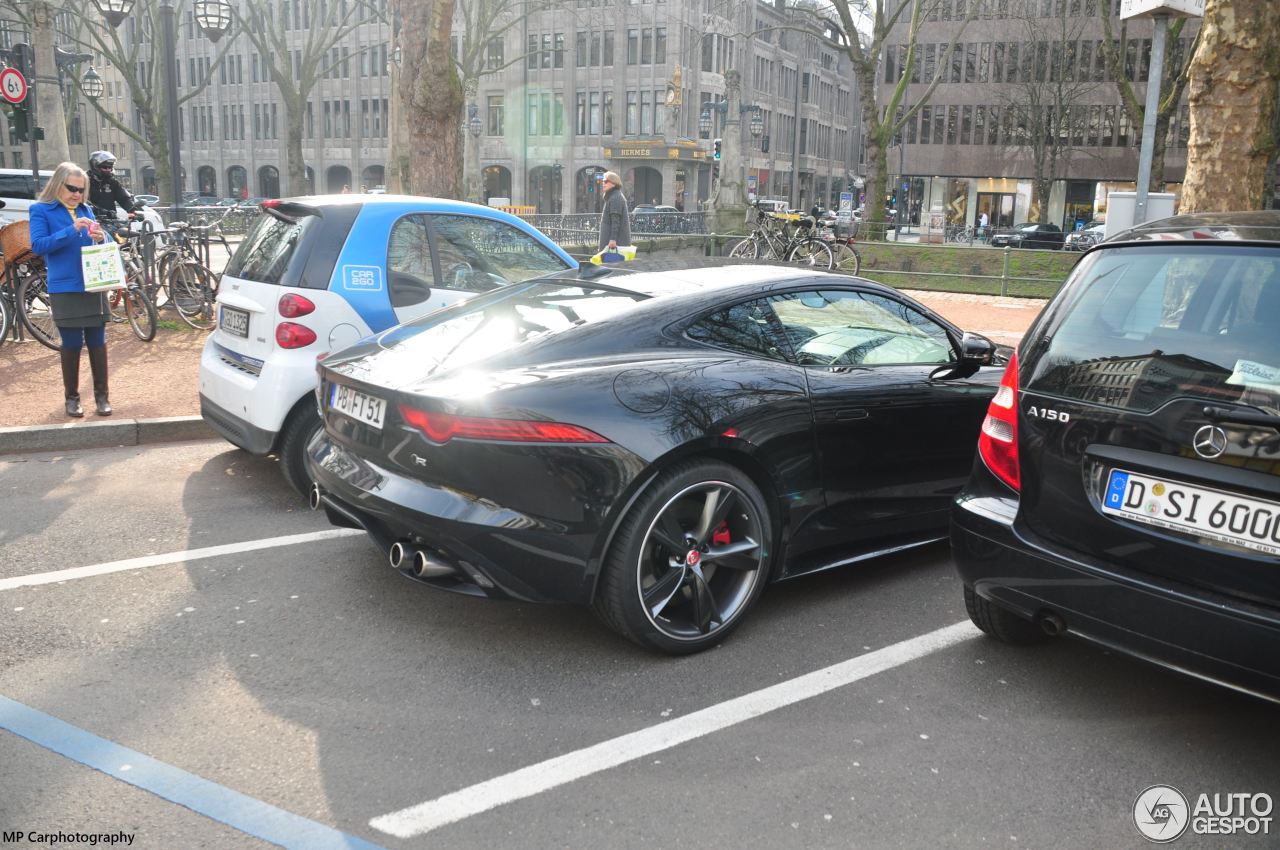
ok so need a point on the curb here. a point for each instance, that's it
(103, 433)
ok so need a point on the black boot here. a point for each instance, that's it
(71, 381)
(98, 365)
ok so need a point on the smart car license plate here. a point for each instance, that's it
(234, 321)
(1251, 523)
(359, 406)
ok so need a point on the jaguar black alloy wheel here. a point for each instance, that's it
(689, 560)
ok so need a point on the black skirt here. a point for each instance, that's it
(79, 309)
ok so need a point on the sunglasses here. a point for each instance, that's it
(75, 190)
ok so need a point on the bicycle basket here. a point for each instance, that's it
(15, 242)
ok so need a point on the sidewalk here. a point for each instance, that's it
(154, 386)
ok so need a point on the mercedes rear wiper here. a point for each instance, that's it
(1241, 417)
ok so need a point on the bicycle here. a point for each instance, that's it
(961, 233)
(23, 289)
(132, 303)
(847, 258)
(770, 241)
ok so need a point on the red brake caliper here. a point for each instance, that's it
(720, 537)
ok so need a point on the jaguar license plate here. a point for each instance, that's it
(1226, 517)
(361, 407)
(234, 321)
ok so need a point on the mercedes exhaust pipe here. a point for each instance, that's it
(314, 497)
(1052, 625)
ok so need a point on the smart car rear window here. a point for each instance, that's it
(1147, 325)
(269, 246)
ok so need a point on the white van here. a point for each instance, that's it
(18, 191)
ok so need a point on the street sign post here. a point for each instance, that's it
(13, 86)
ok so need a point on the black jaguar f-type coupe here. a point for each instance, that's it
(658, 445)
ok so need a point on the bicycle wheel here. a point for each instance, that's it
(746, 249)
(141, 312)
(36, 311)
(847, 259)
(812, 252)
(5, 318)
(191, 292)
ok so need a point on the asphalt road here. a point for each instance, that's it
(303, 691)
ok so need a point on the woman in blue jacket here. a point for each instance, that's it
(61, 223)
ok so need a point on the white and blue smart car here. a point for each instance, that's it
(315, 274)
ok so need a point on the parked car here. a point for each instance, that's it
(1127, 489)
(1033, 235)
(1083, 240)
(315, 274)
(657, 445)
(654, 218)
(18, 191)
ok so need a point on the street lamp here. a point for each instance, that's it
(214, 18)
(91, 84)
(704, 121)
(473, 123)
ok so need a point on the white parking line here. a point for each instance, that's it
(554, 772)
(172, 558)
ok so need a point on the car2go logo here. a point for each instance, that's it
(1162, 814)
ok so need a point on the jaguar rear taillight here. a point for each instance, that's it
(442, 427)
(998, 441)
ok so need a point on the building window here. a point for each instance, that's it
(494, 113)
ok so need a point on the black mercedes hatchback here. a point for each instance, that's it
(1127, 485)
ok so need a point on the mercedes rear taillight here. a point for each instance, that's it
(998, 440)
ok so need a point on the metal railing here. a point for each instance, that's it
(584, 228)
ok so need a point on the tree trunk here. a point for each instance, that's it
(54, 149)
(294, 162)
(430, 96)
(1234, 79)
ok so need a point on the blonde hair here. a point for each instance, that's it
(612, 177)
(59, 179)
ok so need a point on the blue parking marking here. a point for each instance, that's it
(1116, 488)
(201, 796)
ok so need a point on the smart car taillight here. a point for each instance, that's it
(998, 441)
(442, 427)
(292, 306)
(293, 335)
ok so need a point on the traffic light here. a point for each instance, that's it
(715, 147)
(715, 171)
(18, 120)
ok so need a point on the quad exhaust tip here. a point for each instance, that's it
(399, 554)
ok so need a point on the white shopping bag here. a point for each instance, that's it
(102, 266)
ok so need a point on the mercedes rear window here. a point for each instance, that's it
(503, 320)
(1148, 325)
(269, 246)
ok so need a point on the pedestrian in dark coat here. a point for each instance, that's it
(615, 219)
(62, 223)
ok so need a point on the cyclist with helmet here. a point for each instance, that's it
(105, 191)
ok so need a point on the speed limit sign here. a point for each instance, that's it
(13, 86)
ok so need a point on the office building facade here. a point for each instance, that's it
(962, 153)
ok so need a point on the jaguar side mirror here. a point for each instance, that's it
(976, 349)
